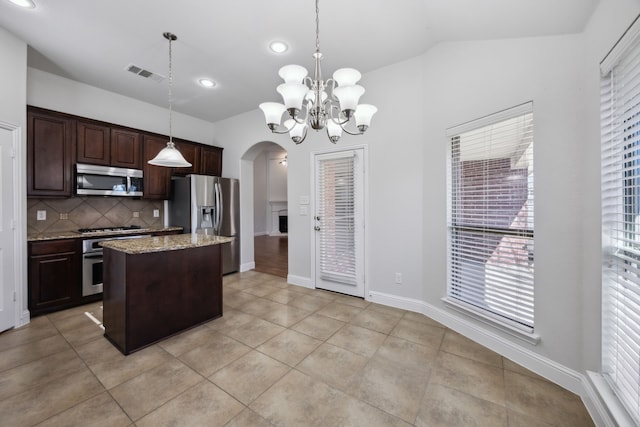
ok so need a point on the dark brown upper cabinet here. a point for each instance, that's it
(157, 179)
(191, 153)
(93, 143)
(56, 141)
(50, 153)
(210, 160)
(125, 149)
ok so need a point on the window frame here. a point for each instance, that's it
(493, 318)
(620, 210)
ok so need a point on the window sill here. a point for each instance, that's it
(613, 405)
(477, 314)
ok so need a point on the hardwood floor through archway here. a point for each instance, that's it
(271, 255)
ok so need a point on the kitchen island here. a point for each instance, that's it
(156, 287)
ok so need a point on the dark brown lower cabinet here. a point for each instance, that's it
(55, 274)
(150, 296)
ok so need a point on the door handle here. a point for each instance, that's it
(317, 228)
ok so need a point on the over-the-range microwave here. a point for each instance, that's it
(95, 180)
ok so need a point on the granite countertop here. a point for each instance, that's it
(32, 237)
(164, 243)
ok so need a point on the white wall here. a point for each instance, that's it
(13, 79)
(465, 81)
(13, 90)
(276, 177)
(60, 94)
(260, 194)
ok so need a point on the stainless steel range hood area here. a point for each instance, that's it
(95, 180)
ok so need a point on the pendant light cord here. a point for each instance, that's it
(170, 90)
(317, 27)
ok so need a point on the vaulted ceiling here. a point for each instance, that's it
(94, 41)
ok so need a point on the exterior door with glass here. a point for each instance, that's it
(339, 221)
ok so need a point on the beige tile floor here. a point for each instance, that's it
(280, 356)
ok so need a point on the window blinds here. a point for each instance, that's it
(336, 211)
(620, 122)
(490, 221)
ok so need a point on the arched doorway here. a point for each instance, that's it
(265, 166)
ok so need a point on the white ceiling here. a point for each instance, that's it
(93, 41)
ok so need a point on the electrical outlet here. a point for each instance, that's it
(41, 215)
(156, 213)
(398, 278)
(136, 214)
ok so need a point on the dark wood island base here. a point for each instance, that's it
(150, 296)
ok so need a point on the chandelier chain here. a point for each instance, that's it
(317, 26)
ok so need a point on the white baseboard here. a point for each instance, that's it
(567, 378)
(305, 282)
(22, 318)
(259, 233)
(247, 266)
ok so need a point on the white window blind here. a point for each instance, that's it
(490, 217)
(620, 122)
(336, 211)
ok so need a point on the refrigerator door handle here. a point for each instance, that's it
(219, 205)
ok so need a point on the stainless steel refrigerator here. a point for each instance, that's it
(209, 205)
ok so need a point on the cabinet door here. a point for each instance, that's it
(191, 153)
(157, 179)
(93, 142)
(210, 160)
(54, 275)
(125, 149)
(50, 154)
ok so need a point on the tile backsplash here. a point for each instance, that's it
(91, 212)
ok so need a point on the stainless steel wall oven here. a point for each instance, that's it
(92, 254)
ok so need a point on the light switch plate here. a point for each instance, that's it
(41, 215)
(156, 213)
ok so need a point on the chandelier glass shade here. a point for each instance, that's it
(313, 102)
(169, 156)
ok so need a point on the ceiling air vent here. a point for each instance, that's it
(145, 73)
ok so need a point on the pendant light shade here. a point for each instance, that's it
(169, 156)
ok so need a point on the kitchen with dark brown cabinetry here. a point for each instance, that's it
(56, 142)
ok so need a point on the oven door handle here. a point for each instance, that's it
(91, 256)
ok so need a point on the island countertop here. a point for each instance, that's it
(164, 243)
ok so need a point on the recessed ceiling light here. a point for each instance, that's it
(208, 83)
(28, 4)
(278, 47)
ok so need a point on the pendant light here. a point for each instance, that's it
(169, 156)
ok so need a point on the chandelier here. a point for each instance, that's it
(169, 156)
(319, 104)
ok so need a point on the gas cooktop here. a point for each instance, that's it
(109, 229)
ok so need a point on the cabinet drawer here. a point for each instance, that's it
(53, 247)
